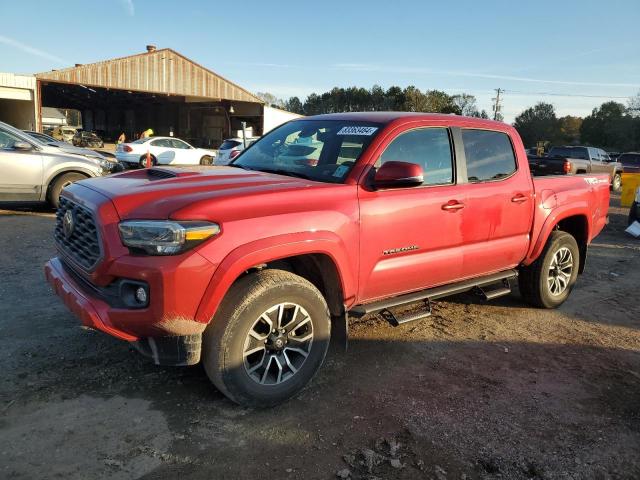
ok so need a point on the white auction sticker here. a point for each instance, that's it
(366, 131)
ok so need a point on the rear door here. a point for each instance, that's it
(20, 171)
(408, 240)
(498, 210)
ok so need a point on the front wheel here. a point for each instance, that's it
(267, 339)
(59, 184)
(547, 282)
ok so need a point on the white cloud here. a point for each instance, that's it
(32, 50)
(453, 73)
(129, 7)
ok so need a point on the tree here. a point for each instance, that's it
(537, 123)
(294, 105)
(634, 105)
(270, 99)
(466, 104)
(609, 126)
(569, 129)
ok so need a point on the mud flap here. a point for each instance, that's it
(178, 350)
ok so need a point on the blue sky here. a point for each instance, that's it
(582, 52)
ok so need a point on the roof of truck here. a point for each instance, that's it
(386, 117)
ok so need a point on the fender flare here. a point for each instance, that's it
(270, 249)
(556, 216)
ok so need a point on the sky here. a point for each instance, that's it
(573, 54)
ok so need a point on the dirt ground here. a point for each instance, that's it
(478, 390)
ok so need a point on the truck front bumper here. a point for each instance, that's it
(168, 340)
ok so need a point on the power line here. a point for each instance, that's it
(552, 94)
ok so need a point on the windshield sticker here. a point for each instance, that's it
(366, 131)
(340, 171)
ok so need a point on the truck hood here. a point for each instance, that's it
(160, 193)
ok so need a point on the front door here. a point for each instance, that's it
(411, 238)
(20, 171)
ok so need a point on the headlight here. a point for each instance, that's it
(638, 195)
(165, 237)
(105, 165)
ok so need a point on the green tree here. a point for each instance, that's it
(609, 126)
(294, 105)
(537, 123)
(569, 129)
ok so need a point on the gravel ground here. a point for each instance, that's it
(478, 390)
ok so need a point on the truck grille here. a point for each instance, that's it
(76, 233)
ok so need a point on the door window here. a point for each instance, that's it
(428, 147)
(489, 155)
(7, 140)
(161, 143)
(179, 144)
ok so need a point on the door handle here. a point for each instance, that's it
(452, 206)
(519, 198)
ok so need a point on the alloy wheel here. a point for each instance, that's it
(278, 344)
(560, 270)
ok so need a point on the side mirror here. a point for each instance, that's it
(398, 174)
(22, 146)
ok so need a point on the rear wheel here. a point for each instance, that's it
(548, 281)
(206, 160)
(143, 161)
(59, 184)
(616, 183)
(267, 339)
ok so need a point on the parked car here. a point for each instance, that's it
(251, 267)
(64, 133)
(163, 151)
(82, 138)
(231, 148)
(630, 162)
(570, 160)
(614, 156)
(33, 171)
(114, 165)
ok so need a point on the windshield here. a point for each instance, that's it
(320, 150)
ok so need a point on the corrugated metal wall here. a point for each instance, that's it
(162, 72)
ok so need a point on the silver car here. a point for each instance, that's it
(230, 149)
(31, 171)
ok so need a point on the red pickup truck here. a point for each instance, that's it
(249, 267)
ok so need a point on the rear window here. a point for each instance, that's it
(569, 152)
(489, 155)
(229, 144)
(630, 158)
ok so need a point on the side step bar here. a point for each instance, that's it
(439, 292)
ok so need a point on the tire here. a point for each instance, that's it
(536, 281)
(61, 182)
(206, 160)
(616, 183)
(143, 161)
(254, 379)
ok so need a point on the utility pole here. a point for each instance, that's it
(496, 106)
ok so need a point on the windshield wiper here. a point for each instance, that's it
(288, 173)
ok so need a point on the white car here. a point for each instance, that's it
(231, 148)
(163, 151)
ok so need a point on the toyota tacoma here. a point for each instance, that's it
(249, 268)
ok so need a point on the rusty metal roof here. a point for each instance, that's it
(161, 71)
